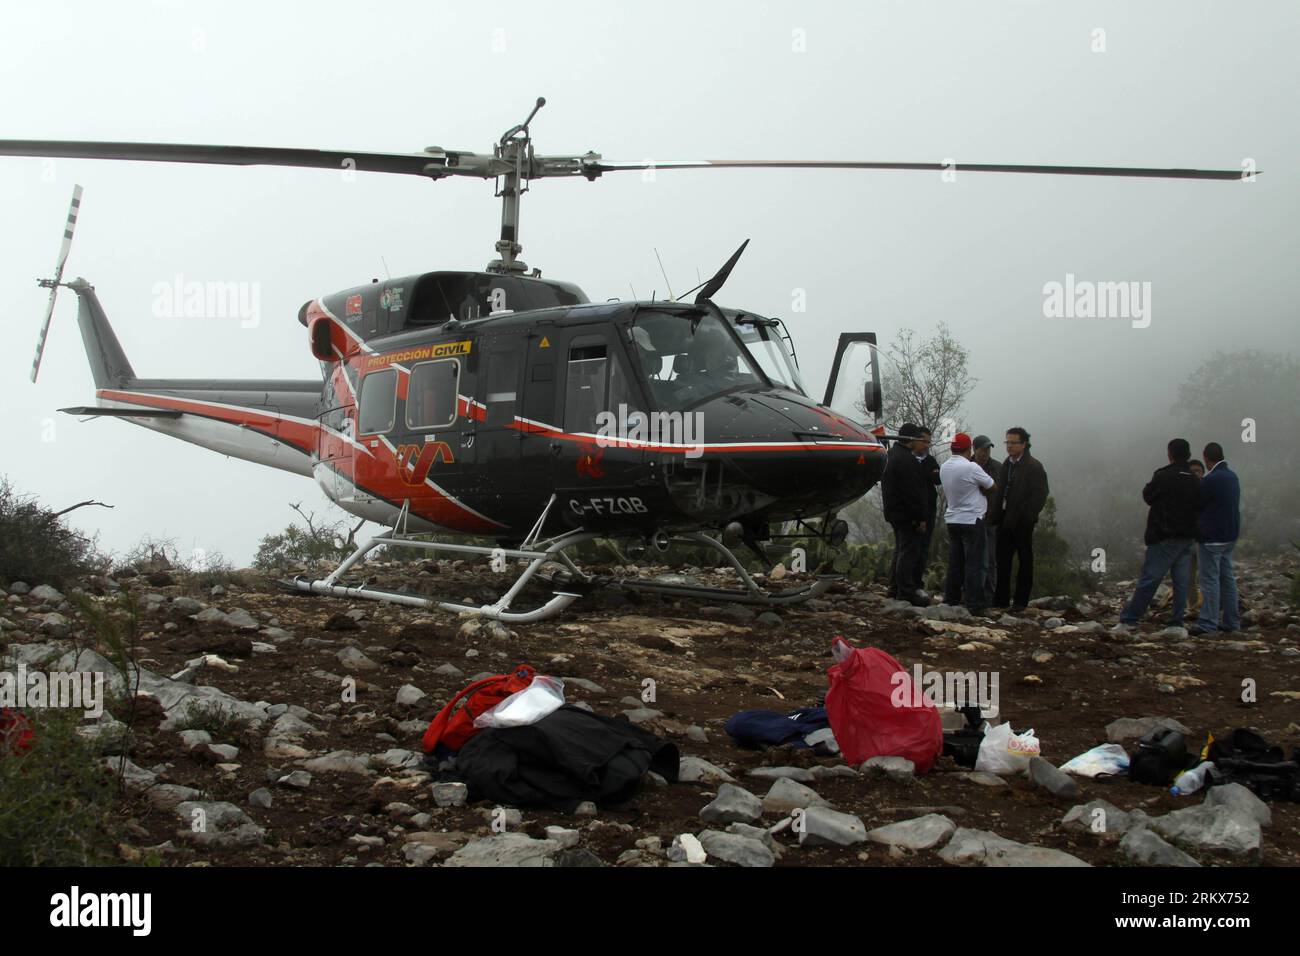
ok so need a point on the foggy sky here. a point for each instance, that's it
(1186, 84)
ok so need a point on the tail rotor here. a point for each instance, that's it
(53, 284)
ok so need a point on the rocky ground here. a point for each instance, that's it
(247, 719)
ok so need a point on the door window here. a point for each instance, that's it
(378, 401)
(585, 393)
(431, 394)
(501, 391)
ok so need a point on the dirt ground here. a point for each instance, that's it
(706, 664)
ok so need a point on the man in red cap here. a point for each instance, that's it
(965, 485)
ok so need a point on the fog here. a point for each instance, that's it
(1178, 84)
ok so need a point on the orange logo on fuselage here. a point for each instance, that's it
(414, 461)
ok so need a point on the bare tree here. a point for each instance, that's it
(926, 381)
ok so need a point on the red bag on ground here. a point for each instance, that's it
(863, 705)
(15, 732)
(453, 729)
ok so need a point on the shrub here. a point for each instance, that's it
(1056, 571)
(36, 545)
(1295, 580)
(298, 545)
(56, 800)
(152, 554)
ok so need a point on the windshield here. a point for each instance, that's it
(689, 358)
(768, 349)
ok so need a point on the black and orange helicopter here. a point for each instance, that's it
(505, 405)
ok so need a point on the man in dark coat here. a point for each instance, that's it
(983, 446)
(1218, 525)
(1173, 494)
(902, 488)
(1023, 484)
(930, 473)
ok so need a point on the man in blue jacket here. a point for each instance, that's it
(1219, 524)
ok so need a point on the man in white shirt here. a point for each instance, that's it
(965, 485)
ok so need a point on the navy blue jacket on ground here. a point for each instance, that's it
(1220, 505)
(753, 728)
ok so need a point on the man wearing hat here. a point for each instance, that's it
(982, 447)
(902, 488)
(964, 485)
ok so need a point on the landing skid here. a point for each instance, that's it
(537, 554)
(549, 550)
(752, 593)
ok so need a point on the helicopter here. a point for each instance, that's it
(505, 405)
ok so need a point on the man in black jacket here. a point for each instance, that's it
(983, 447)
(930, 473)
(1171, 532)
(903, 490)
(1023, 484)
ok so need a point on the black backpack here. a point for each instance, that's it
(1160, 757)
(963, 746)
(1246, 758)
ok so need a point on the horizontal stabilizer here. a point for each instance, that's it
(123, 412)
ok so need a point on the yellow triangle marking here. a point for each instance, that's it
(545, 343)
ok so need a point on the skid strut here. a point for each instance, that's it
(753, 593)
(537, 554)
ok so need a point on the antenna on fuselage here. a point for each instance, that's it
(664, 272)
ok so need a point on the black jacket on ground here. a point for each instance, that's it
(1173, 494)
(1023, 492)
(565, 758)
(903, 487)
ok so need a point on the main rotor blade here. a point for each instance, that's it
(435, 163)
(1139, 171)
(411, 164)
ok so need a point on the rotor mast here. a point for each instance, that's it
(515, 151)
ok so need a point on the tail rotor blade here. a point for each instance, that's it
(67, 233)
(64, 249)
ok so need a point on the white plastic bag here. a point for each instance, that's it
(1001, 751)
(1109, 759)
(543, 696)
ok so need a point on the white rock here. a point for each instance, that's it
(921, 833)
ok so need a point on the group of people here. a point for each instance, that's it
(1195, 515)
(992, 509)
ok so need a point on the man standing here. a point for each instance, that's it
(930, 474)
(1024, 493)
(983, 448)
(964, 484)
(903, 491)
(1173, 494)
(1218, 525)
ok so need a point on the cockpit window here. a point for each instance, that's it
(689, 358)
(769, 351)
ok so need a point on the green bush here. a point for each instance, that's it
(36, 545)
(1056, 571)
(56, 800)
(1295, 580)
(311, 544)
